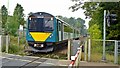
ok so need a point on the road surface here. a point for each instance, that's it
(10, 60)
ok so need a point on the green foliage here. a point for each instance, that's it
(4, 12)
(3, 48)
(22, 40)
(4, 15)
(94, 10)
(77, 23)
(95, 32)
(14, 49)
(13, 21)
(68, 29)
(13, 26)
(18, 14)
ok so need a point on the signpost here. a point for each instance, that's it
(104, 36)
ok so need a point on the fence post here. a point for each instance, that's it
(18, 38)
(0, 51)
(89, 49)
(69, 48)
(7, 43)
(0, 43)
(116, 52)
(85, 51)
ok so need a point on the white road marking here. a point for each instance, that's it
(31, 61)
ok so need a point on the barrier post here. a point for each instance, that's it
(85, 51)
(7, 43)
(89, 49)
(0, 51)
(18, 38)
(69, 48)
(0, 43)
(77, 60)
(116, 52)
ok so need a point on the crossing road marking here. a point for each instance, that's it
(32, 61)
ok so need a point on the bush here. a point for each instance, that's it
(3, 48)
(14, 49)
(22, 41)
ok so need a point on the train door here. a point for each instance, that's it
(60, 34)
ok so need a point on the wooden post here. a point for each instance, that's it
(18, 38)
(69, 48)
(0, 51)
(89, 49)
(85, 51)
(0, 43)
(7, 43)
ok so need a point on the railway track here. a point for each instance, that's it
(60, 52)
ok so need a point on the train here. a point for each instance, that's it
(45, 30)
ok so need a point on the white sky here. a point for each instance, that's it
(54, 7)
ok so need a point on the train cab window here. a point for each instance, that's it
(41, 25)
(32, 25)
(48, 24)
(36, 24)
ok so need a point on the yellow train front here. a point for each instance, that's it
(44, 30)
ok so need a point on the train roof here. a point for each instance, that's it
(40, 14)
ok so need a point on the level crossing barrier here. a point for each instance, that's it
(75, 60)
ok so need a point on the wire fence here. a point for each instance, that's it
(95, 51)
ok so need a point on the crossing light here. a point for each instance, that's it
(111, 19)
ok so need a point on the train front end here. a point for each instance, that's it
(40, 34)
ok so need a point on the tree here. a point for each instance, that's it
(18, 15)
(4, 15)
(95, 32)
(95, 10)
(77, 23)
(17, 19)
(0, 22)
(4, 18)
(12, 26)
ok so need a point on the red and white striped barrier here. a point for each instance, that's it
(73, 58)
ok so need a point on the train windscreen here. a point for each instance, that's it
(40, 24)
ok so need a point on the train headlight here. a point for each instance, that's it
(42, 45)
(35, 45)
(51, 35)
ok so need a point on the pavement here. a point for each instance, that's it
(17, 61)
(84, 64)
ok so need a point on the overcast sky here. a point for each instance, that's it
(55, 7)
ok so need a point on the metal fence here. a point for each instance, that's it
(94, 51)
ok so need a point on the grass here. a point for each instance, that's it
(96, 52)
(14, 48)
(96, 57)
(118, 59)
